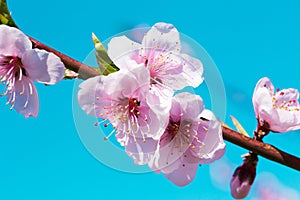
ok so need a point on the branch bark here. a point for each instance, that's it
(265, 150)
(83, 70)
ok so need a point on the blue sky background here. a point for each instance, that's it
(44, 158)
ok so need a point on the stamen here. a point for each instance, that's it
(110, 134)
(21, 74)
(30, 89)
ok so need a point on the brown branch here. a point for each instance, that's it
(84, 71)
(268, 151)
(265, 150)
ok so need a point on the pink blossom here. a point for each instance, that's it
(20, 66)
(243, 177)
(121, 99)
(278, 111)
(160, 53)
(192, 137)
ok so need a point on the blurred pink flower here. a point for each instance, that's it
(278, 111)
(193, 136)
(269, 187)
(20, 66)
(121, 98)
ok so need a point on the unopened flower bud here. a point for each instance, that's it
(243, 177)
(106, 65)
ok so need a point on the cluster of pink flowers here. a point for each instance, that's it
(20, 66)
(173, 134)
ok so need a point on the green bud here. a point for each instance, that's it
(106, 65)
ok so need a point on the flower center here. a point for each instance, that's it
(288, 105)
(179, 130)
(11, 68)
(133, 105)
(12, 73)
(173, 127)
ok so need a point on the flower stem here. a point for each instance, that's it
(258, 147)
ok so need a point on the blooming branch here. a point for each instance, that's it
(265, 150)
(257, 147)
(260, 148)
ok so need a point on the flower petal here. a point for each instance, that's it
(120, 47)
(167, 158)
(87, 95)
(162, 36)
(214, 146)
(175, 142)
(239, 190)
(191, 105)
(192, 71)
(183, 175)
(23, 97)
(262, 96)
(140, 149)
(287, 115)
(13, 42)
(42, 66)
(262, 102)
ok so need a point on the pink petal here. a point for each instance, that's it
(13, 42)
(262, 96)
(262, 102)
(192, 71)
(87, 95)
(125, 83)
(162, 36)
(42, 66)
(191, 105)
(140, 149)
(181, 70)
(287, 95)
(183, 175)
(167, 158)
(214, 146)
(176, 110)
(160, 97)
(239, 190)
(286, 116)
(174, 148)
(157, 124)
(264, 82)
(120, 47)
(24, 98)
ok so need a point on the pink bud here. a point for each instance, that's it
(243, 177)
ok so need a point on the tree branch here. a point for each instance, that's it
(265, 150)
(83, 70)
